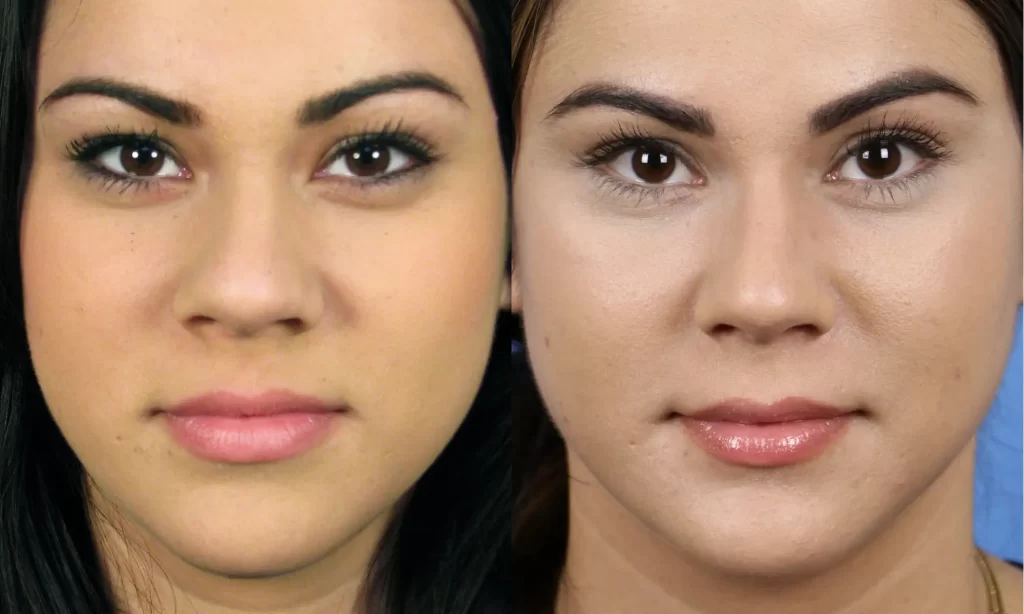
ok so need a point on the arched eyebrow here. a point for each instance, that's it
(693, 119)
(679, 115)
(906, 84)
(314, 111)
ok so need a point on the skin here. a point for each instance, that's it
(252, 274)
(769, 277)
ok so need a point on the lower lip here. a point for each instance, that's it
(256, 439)
(766, 445)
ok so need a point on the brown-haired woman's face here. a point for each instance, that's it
(767, 212)
(287, 206)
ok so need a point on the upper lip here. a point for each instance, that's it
(234, 405)
(790, 409)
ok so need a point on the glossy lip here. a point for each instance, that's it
(791, 431)
(232, 428)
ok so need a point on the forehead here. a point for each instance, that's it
(747, 54)
(256, 47)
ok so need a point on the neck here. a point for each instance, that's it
(148, 578)
(923, 561)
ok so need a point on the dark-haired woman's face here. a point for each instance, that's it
(292, 207)
(754, 202)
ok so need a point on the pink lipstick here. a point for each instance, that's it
(230, 428)
(742, 432)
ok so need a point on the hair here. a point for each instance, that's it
(540, 482)
(447, 547)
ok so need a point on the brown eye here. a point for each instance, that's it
(651, 164)
(879, 159)
(140, 159)
(368, 160)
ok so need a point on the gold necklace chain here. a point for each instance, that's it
(995, 598)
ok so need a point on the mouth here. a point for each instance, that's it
(791, 431)
(232, 428)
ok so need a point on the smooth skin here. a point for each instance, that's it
(252, 260)
(769, 265)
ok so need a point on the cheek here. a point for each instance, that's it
(601, 295)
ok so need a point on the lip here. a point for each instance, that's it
(743, 432)
(243, 429)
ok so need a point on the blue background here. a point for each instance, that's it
(998, 492)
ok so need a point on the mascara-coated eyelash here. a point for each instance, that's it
(622, 139)
(667, 160)
(383, 155)
(907, 145)
(93, 155)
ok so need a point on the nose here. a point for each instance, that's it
(767, 280)
(252, 272)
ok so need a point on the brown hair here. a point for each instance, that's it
(540, 513)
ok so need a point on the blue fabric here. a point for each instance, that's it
(999, 479)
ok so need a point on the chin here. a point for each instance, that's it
(766, 540)
(241, 553)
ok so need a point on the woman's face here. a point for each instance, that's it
(750, 202)
(319, 211)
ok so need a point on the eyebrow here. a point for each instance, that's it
(901, 85)
(314, 111)
(679, 115)
(326, 107)
(144, 99)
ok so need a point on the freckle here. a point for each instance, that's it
(957, 374)
(547, 342)
(119, 438)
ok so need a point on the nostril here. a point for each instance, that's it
(721, 330)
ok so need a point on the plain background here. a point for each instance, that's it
(999, 481)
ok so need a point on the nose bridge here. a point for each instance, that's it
(764, 280)
(252, 268)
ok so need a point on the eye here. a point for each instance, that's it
(879, 160)
(651, 164)
(139, 159)
(368, 160)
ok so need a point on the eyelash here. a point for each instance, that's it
(926, 141)
(622, 139)
(85, 151)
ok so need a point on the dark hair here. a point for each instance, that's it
(540, 483)
(446, 548)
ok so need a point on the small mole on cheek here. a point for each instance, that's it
(547, 341)
(957, 374)
(119, 438)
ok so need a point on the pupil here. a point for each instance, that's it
(653, 165)
(879, 159)
(142, 160)
(368, 160)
